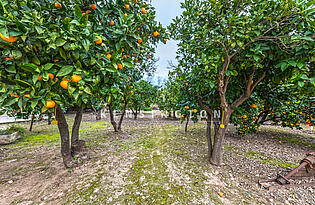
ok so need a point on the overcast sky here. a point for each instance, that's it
(166, 10)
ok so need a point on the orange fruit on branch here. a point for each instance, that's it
(40, 78)
(127, 6)
(93, 6)
(108, 56)
(58, 6)
(140, 41)
(64, 84)
(120, 66)
(50, 104)
(11, 39)
(253, 106)
(143, 10)
(155, 33)
(111, 23)
(76, 78)
(51, 76)
(99, 41)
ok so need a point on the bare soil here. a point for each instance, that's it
(153, 161)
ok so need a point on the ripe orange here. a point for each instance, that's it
(108, 56)
(64, 79)
(93, 6)
(27, 95)
(50, 104)
(165, 40)
(64, 84)
(111, 23)
(40, 78)
(195, 110)
(7, 59)
(88, 11)
(138, 29)
(58, 6)
(127, 6)
(253, 106)
(76, 78)
(11, 39)
(99, 41)
(186, 107)
(51, 76)
(140, 41)
(120, 66)
(155, 33)
(143, 10)
(122, 50)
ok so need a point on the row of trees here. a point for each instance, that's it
(252, 60)
(74, 53)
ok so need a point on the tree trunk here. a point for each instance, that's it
(76, 144)
(186, 126)
(64, 134)
(32, 122)
(49, 119)
(174, 114)
(217, 152)
(99, 114)
(122, 115)
(112, 117)
(208, 135)
(135, 114)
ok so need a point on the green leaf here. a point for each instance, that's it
(112, 70)
(36, 60)
(30, 68)
(63, 54)
(77, 12)
(300, 65)
(65, 70)
(11, 69)
(292, 63)
(20, 26)
(128, 64)
(313, 80)
(33, 104)
(39, 30)
(60, 42)
(48, 66)
(301, 83)
(9, 101)
(87, 90)
(284, 66)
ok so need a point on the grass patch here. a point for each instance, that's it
(268, 160)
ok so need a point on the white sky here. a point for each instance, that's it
(166, 10)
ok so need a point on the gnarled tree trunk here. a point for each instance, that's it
(208, 135)
(217, 152)
(32, 122)
(187, 122)
(112, 117)
(99, 114)
(77, 145)
(122, 115)
(65, 141)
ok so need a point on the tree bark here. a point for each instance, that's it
(122, 115)
(99, 114)
(136, 114)
(217, 152)
(186, 126)
(112, 117)
(32, 122)
(64, 134)
(208, 135)
(76, 144)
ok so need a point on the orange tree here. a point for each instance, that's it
(62, 53)
(144, 95)
(241, 44)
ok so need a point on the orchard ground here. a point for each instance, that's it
(153, 161)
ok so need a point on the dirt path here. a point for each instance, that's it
(152, 162)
